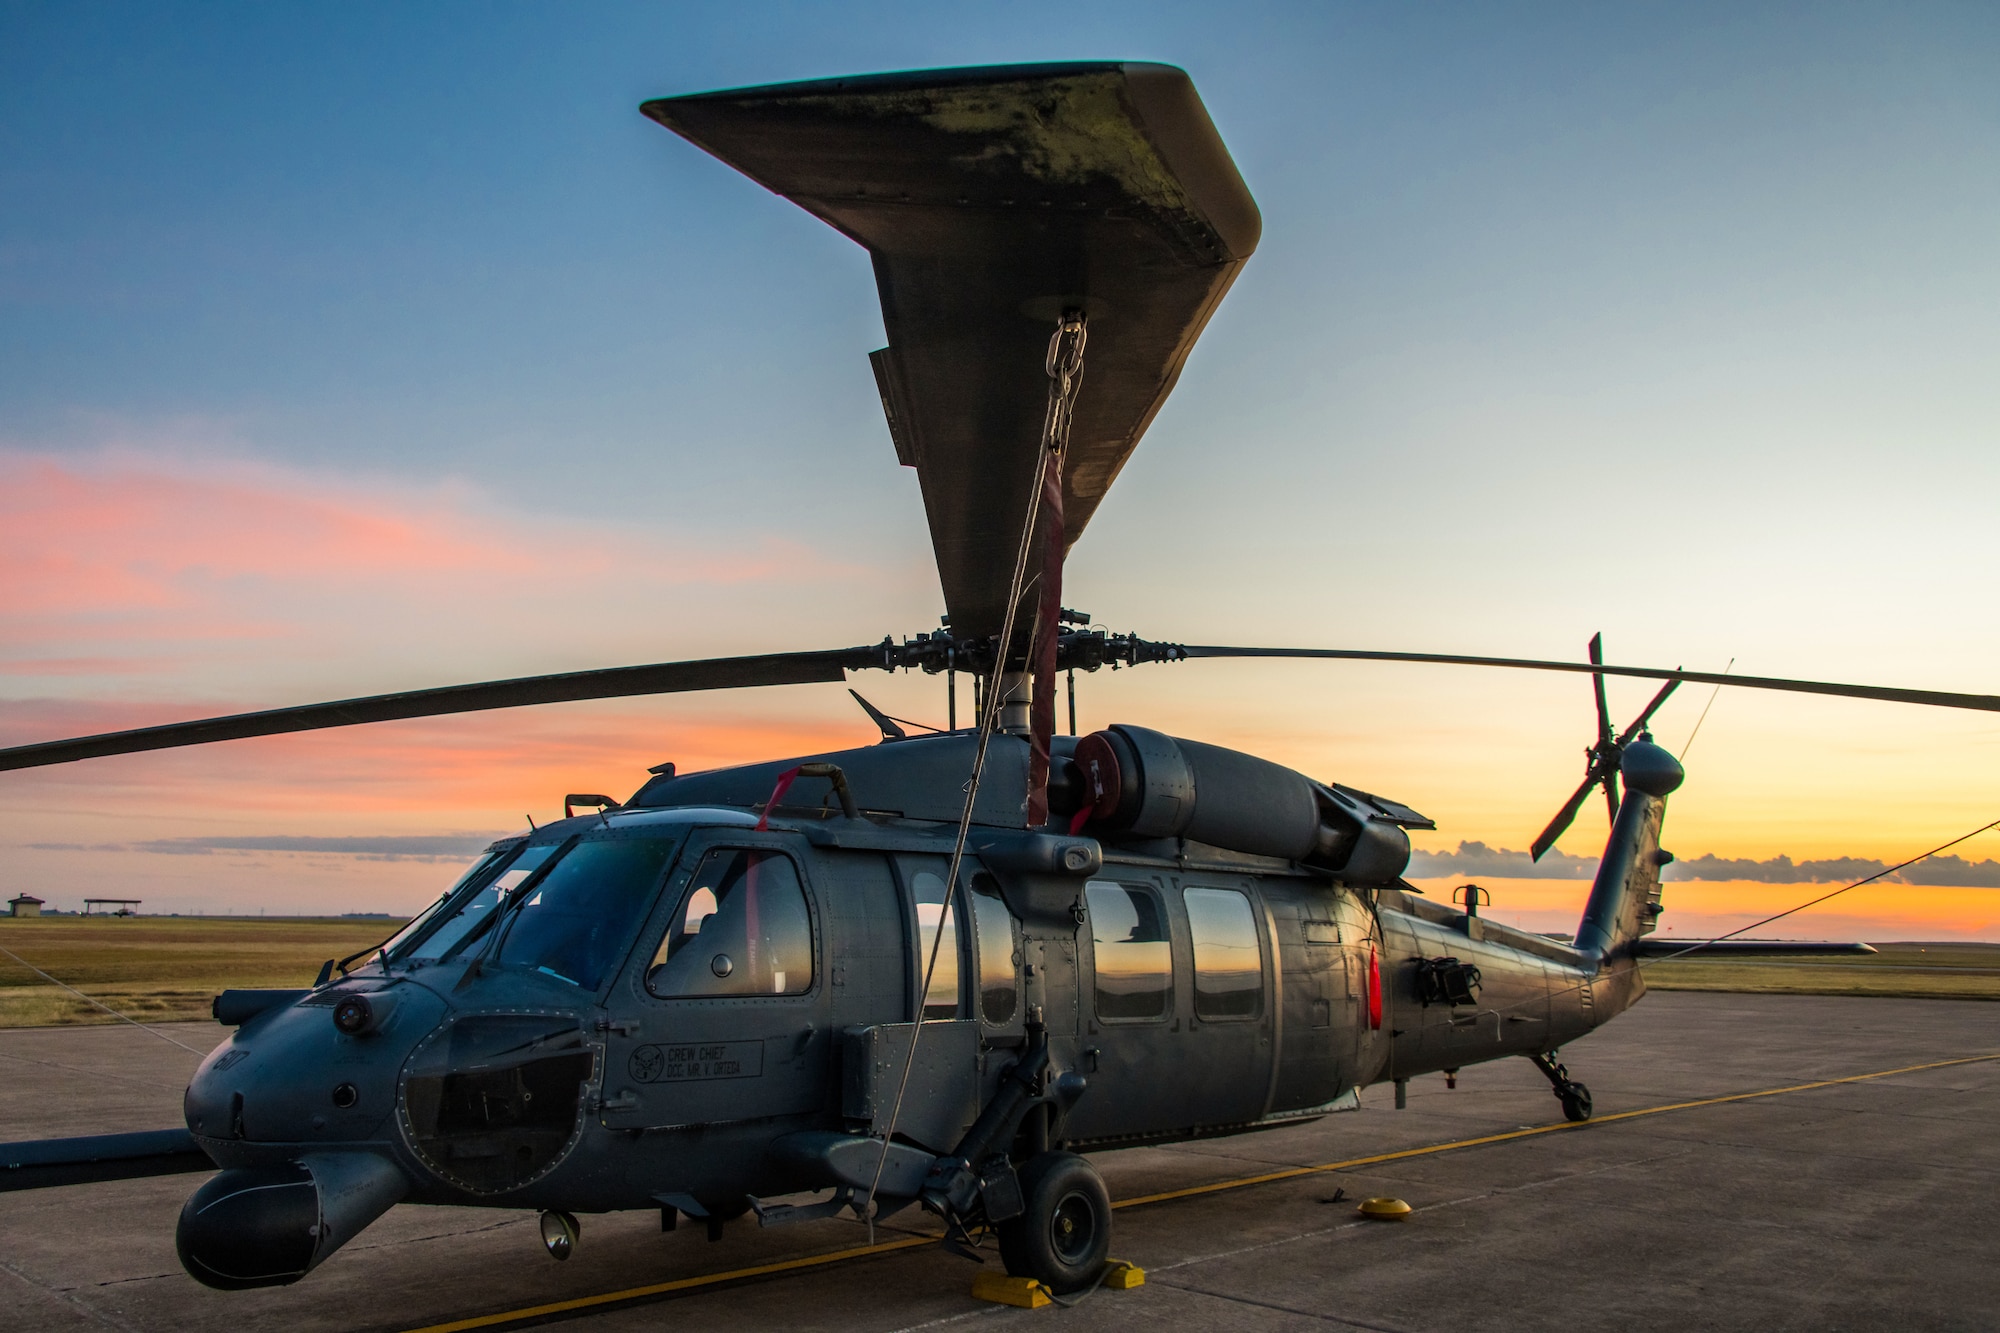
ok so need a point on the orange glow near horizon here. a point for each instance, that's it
(1703, 909)
(135, 593)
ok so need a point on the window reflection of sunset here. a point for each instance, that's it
(942, 999)
(1131, 950)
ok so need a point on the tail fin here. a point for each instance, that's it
(1625, 900)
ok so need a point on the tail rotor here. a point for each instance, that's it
(1603, 758)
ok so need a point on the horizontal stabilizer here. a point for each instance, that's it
(41, 1163)
(1653, 946)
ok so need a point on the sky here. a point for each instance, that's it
(359, 348)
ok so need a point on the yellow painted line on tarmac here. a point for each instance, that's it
(1242, 1182)
(678, 1284)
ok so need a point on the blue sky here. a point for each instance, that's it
(1671, 321)
(440, 239)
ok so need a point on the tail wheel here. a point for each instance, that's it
(1062, 1237)
(1575, 1102)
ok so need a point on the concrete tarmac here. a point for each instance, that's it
(1867, 1204)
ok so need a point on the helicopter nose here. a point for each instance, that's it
(268, 1226)
(294, 1079)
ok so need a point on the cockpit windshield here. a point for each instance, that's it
(425, 919)
(577, 921)
(459, 916)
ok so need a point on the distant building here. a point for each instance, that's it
(25, 905)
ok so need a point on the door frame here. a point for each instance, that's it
(635, 1019)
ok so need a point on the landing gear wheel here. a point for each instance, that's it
(1063, 1236)
(1575, 1098)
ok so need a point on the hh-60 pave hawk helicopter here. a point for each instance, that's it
(935, 970)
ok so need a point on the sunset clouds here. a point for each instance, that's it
(142, 589)
(169, 561)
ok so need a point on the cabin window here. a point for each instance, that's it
(1132, 950)
(578, 920)
(943, 999)
(742, 928)
(1228, 968)
(999, 982)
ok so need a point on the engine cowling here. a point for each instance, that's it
(1147, 784)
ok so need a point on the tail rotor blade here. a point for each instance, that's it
(1564, 818)
(1597, 683)
(1639, 722)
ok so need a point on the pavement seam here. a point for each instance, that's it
(1282, 1309)
(1193, 1260)
(1502, 1191)
(959, 1318)
(1533, 1131)
(90, 1073)
(501, 1225)
(1358, 1223)
(121, 1281)
(1810, 1154)
(81, 1307)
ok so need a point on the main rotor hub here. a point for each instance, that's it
(1077, 649)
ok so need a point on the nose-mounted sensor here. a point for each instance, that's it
(359, 1015)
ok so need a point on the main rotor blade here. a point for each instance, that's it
(715, 673)
(1985, 703)
(991, 200)
(1564, 818)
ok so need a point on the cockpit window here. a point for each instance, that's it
(467, 920)
(575, 923)
(426, 918)
(742, 929)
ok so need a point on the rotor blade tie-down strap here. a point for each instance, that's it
(989, 715)
(784, 784)
(1065, 370)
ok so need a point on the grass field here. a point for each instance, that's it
(1923, 971)
(162, 968)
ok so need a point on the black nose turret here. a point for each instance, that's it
(267, 1226)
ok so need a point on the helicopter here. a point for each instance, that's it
(940, 970)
